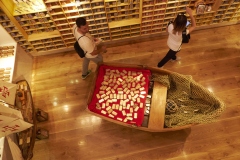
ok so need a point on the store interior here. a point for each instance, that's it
(37, 46)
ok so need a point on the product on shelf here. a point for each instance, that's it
(5, 74)
(151, 16)
(6, 51)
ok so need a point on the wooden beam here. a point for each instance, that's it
(216, 5)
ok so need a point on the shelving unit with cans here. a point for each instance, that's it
(228, 11)
(14, 32)
(49, 29)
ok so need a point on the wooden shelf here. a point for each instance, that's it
(151, 16)
(124, 22)
(43, 35)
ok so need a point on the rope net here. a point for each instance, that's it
(187, 101)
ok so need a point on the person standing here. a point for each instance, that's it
(175, 35)
(88, 44)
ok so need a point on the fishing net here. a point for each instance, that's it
(187, 101)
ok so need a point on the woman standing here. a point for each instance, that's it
(175, 35)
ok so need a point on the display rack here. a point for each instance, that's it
(228, 11)
(15, 32)
(125, 32)
(36, 22)
(50, 29)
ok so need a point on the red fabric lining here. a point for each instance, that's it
(140, 113)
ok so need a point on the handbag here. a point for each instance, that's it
(185, 36)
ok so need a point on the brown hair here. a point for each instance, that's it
(81, 22)
(179, 23)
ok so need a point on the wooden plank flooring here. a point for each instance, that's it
(212, 58)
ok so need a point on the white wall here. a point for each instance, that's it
(5, 38)
(23, 66)
(21, 62)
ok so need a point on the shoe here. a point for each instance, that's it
(85, 76)
(177, 59)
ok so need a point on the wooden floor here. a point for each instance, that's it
(212, 58)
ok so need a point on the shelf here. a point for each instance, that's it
(43, 35)
(124, 23)
(33, 6)
(103, 16)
